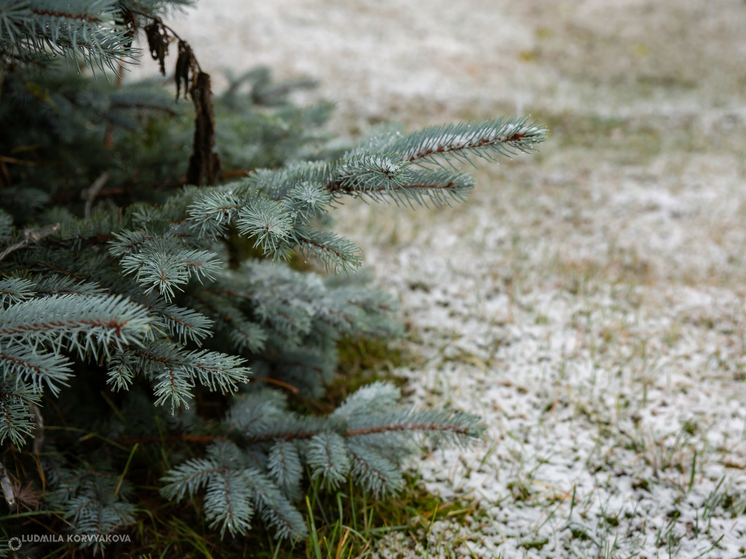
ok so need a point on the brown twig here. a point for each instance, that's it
(204, 164)
(90, 193)
(5, 178)
(31, 236)
(290, 387)
(4, 174)
(66, 15)
(237, 173)
(516, 138)
(15, 161)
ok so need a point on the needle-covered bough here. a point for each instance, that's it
(115, 328)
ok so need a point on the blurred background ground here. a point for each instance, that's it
(588, 301)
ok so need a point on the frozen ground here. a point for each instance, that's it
(588, 301)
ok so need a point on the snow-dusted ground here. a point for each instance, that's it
(614, 401)
(588, 302)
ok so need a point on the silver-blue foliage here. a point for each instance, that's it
(155, 301)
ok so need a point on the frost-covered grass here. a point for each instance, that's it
(588, 301)
(600, 336)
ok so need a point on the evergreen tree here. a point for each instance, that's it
(146, 294)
